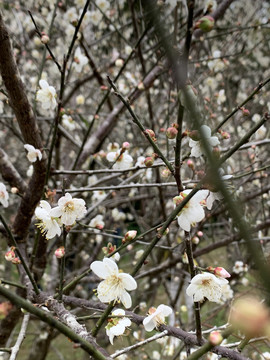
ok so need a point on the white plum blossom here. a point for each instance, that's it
(98, 195)
(206, 285)
(80, 99)
(33, 154)
(46, 95)
(239, 267)
(118, 215)
(261, 133)
(156, 317)
(117, 326)
(221, 97)
(79, 60)
(140, 161)
(193, 211)
(104, 5)
(256, 117)
(115, 283)
(95, 17)
(3, 195)
(69, 209)
(48, 225)
(68, 122)
(122, 160)
(197, 147)
(97, 222)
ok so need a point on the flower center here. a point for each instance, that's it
(69, 206)
(206, 282)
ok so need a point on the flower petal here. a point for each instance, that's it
(149, 324)
(128, 281)
(166, 310)
(125, 299)
(56, 212)
(100, 270)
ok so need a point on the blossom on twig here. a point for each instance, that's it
(115, 283)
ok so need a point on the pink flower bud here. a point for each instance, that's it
(60, 252)
(190, 164)
(221, 272)
(16, 261)
(195, 240)
(44, 38)
(130, 235)
(225, 135)
(151, 134)
(166, 231)
(200, 233)
(206, 23)
(194, 135)
(125, 145)
(177, 200)
(171, 132)
(215, 338)
(245, 112)
(14, 190)
(99, 226)
(110, 248)
(148, 161)
(10, 255)
(104, 88)
(141, 86)
(165, 173)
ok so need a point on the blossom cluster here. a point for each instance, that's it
(66, 213)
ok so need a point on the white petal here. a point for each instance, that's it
(110, 265)
(68, 218)
(118, 329)
(183, 222)
(56, 212)
(100, 270)
(196, 151)
(45, 205)
(29, 147)
(213, 141)
(128, 281)
(166, 310)
(64, 199)
(104, 293)
(149, 325)
(200, 195)
(112, 156)
(41, 214)
(43, 84)
(126, 299)
(118, 312)
(196, 214)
